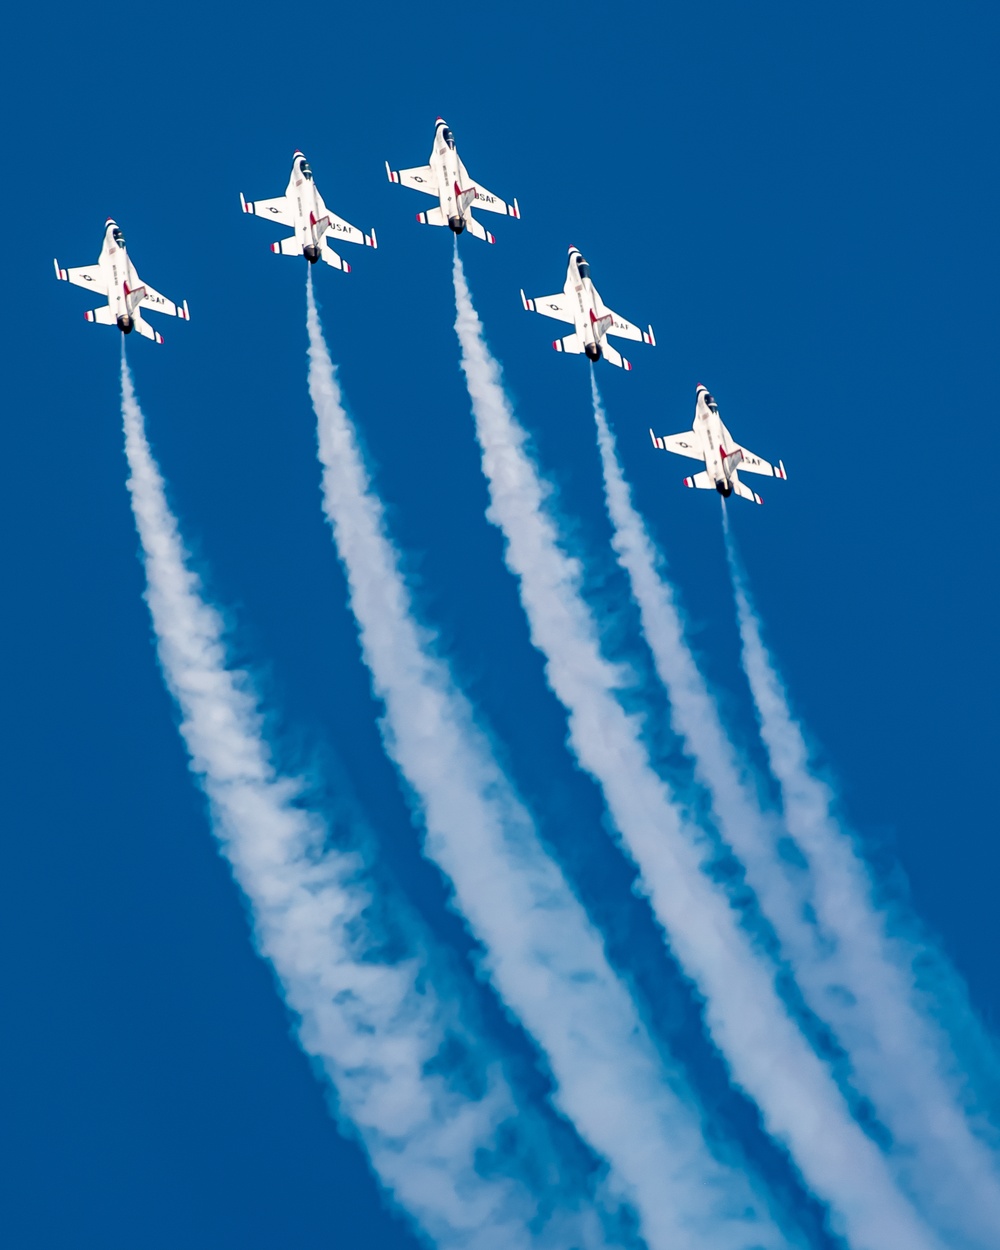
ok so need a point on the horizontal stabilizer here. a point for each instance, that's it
(333, 260)
(291, 246)
(571, 343)
(744, 491)
(146, 330)
(614, 357)
(477, 229)
(700, 481)
(103, 316)
(433, 217)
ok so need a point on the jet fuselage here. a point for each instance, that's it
(444, 162)
(585, 304)
(121, 278)
(307, 206)
(719, 463)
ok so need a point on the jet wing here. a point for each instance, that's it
(86, 275)
(556, 306)
(278, 209)
(486, 199)
(684, 444)
(626, 330)
(153, 301)
(338, 228)
(749, 462)
(420, 178)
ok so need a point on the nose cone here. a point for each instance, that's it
(110, 222)
(441, 122)
(699, 388)
(297, 155)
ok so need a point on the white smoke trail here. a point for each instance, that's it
(375, 1027)
(858, 976)
(542, 954)
(767, 1055)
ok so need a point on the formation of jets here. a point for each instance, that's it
(315, 228)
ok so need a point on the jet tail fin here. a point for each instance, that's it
(134, 298)
(601, 324)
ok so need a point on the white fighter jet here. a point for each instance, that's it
(724, 458)
(448, 179)
(580, 304)
(128, 297)
(302, 208)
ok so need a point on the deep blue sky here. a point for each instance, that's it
(803, 201)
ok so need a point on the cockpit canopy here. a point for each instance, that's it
(710, 400)
(118, 237)
(307, 173)
(448, 137)
(583, 268)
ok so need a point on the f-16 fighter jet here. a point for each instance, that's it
(128, 297)
(448, 179)
(580, 304)
(724, 458)
(302, 208)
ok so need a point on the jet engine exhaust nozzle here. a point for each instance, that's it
(457, 224)
(126, 324)
(724, 488)
(593, 351)
(311, 253)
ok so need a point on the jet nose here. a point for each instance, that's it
(111, 222)
(296, 153)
